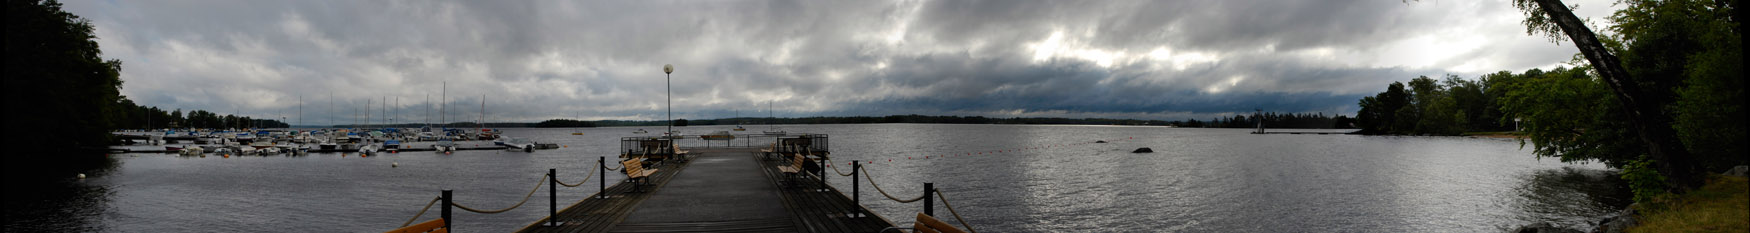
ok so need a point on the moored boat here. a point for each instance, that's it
(719, 135)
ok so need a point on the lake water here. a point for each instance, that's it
(1016, 179)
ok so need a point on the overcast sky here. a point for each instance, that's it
(536, 60)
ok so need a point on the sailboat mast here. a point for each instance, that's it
(443, 100)
(482, 111)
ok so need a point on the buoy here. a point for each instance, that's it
(81, 175)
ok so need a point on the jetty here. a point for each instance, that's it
(777, 187)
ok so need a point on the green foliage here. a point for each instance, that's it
(1686, 57)
(1568, 114)
(1379, 113)
(60, 89)
(1690, 49)
(1643, 179)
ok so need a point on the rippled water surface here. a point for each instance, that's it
(1015, 179)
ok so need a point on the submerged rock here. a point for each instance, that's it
(1143, 150)
(1619, 223)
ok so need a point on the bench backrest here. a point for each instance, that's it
(797, 162)
(632, 166)
(435, 225)
(927, 224)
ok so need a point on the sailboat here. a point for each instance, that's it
(738, 123)
(576, 131)
(773, 130)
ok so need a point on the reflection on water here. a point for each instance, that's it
(69, 207)
(1566, 197)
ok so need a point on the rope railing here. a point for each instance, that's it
(955, 213)
(884, 192)
(538, 185)
(580, 183)
(944, 197)
(434, 200)
(836, 170)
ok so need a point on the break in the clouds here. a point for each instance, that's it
(535, 60)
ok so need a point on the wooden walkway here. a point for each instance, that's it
(720, 190)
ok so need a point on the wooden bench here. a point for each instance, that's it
(433, 226)
(795, 168)
(678, 153)
(927, 224)
(636, 173)
(770, 152)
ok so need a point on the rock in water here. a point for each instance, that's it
(1143, 150)
(1100, 141)
(1738, 171)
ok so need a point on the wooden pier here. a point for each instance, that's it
(717, 190)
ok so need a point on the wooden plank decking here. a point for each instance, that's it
(803, 208)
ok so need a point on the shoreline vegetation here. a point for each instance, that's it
(1722, 205)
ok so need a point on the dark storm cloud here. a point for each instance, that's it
(534, 60)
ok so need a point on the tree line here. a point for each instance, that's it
(1275, 121)
(1271, 119)
(1428, 107)
(132, 116)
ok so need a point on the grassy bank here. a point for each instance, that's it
(1723, 205)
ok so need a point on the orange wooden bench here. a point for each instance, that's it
(635, 172)
(433, 226)
(927, 224)
(795, 168)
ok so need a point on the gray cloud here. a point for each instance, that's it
(600, 59)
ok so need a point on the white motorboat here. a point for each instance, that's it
(444, 146)
(522, 144)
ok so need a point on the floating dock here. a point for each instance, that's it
(717, 190)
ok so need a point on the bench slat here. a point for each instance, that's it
(427, 226)
(926, 223)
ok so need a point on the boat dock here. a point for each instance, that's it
(777, 188)
(717, 190)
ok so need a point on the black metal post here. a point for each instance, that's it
(446, 212)
(601, 167)
(822, 173)
(552, 197)
(856, 196)
(929, 203)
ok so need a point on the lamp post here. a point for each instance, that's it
(668, 86)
